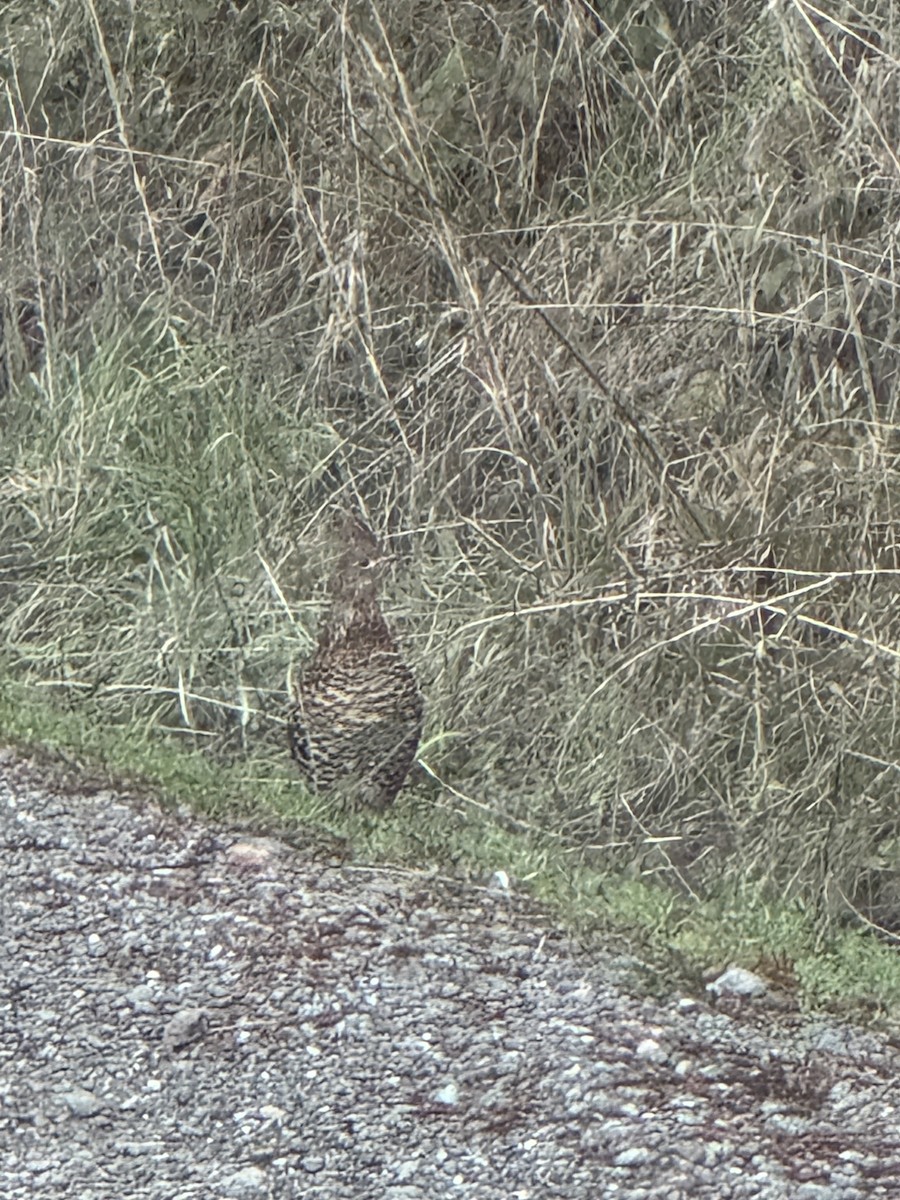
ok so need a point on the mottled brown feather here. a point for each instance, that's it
(356, 728)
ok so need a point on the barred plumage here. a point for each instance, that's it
(356, 728)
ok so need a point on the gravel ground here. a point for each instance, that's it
(186, 1011)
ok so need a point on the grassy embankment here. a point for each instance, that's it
(595, 323)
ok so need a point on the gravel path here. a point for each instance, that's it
(186, 1012)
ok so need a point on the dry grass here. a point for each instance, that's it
(595, 322)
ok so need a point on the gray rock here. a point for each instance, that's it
(448, 1094)
(81, 1102)
(187, 1026)
(738, 982)
(245, 1184)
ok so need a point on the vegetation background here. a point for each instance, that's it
(591, 309)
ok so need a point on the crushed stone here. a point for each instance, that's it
(186, 1011)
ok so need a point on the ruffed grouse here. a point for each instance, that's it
(357, 724)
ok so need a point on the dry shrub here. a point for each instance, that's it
(591, 313)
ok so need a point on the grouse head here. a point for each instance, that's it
(356, 580)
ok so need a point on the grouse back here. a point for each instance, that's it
(356, 727)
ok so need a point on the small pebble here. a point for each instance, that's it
(245, 1184)
(81, 1102)
(188, 1025)
(736, 981)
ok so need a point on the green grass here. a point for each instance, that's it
(675, 941)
